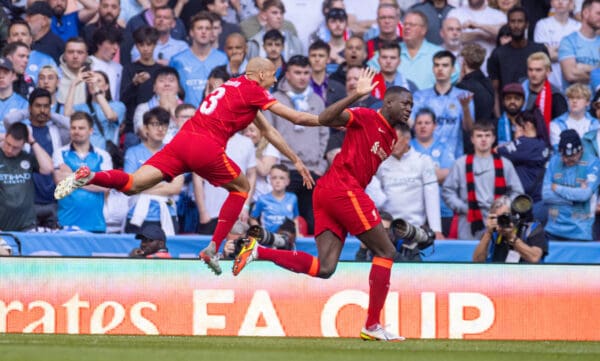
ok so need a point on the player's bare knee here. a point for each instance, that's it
(385, 252)
(326, 271)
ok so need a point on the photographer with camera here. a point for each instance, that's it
(511, 235)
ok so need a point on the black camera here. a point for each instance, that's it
(521, 212)
(265, 237)
(412, 236)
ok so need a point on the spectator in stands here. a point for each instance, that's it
(147, 17)
(194, 64)
(38, 17)
(273, 208)
(210, 199)
(476, 180)
(67, 26)
(373, 27)
(436, 12)
(355, 54)
(266, 157)
(406, 186)
(323, 31)
(216, 30)
(106, 113)
(252, 25)
(454, 108)
(48, 79)
(389, 75)
(551, 30)
(578, 97)
(529, 152)
(569, 190)
(108, 14)
(337, 27)
(9, 100)
(138, 77)
(513, 101)
(503, 72)
(507, 243)
(274, 10)
(50, 136)
(154, 205)
(106, 41)
(503, 5)
(539, 92)
(579, 52)
(83, 208)
(19, 31)
(153, 242)
(18, 54)
(273, 45)
(329, 90)
(17, 212)
(309, 142)
(474, 80)
(427, 143)
(235, 49)
(388, 17)
(480, 24)
(73, 61)
(167, 46)
(417, 53)
(220, 8)
(451, 33)
(166, 94)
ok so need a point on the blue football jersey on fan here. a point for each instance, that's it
(13, 102)
(194, 72)
(448, 113)
(37, 60)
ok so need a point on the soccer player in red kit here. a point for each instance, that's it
(341, 204)
(199, 146)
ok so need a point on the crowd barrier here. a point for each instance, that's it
(119, 245)
(182, 297)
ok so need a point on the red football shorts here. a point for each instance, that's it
(198, 153)
(343, 211)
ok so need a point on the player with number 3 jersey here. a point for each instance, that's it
(199, 147)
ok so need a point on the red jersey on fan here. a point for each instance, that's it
(229, 109)
(368, 142)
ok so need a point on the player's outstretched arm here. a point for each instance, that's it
(275, 138)
(294, 116)
(334, 115)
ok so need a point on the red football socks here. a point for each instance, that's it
(379, 281)
(114, 178)
(230, 211)
(295, 261)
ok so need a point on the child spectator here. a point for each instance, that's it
(273, 208)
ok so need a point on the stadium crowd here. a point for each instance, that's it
(506, 102)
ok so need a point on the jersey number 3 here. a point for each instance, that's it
(209, 104)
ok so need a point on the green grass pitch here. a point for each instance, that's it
(166, 348)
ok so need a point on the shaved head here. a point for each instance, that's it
(258, 64)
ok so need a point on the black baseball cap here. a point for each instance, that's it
(6, 64)
(40, 7)
(570, 143)
(151, 231)
(337, 13)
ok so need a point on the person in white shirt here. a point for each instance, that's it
(550, 31)
(406, 186)
(107, 45)
(480, 24)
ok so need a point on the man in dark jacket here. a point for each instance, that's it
(477, 83)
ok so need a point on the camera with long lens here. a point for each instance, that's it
(268, 239)
(521, 212)
(414, 239)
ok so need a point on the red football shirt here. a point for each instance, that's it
(229, 109)
(368, 142)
